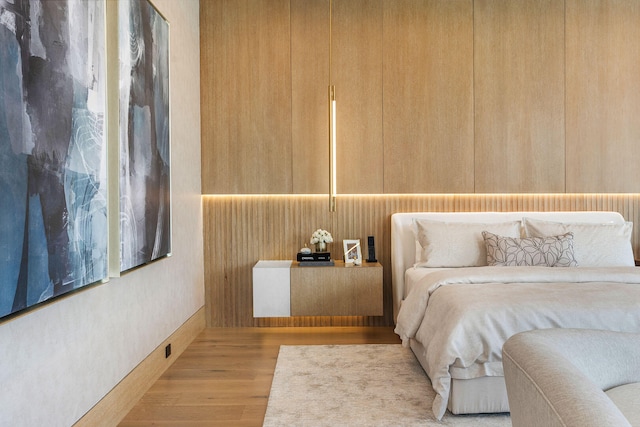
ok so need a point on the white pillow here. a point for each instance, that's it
(594, 245)
(456, 244)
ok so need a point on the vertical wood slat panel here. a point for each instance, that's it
(428, 96)
(603, 58)
(356, 72)
(519, 96)
(246, 101)
(310, 98)
(240, 230)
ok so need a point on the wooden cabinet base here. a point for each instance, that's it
(337, 290)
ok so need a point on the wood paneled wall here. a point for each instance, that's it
(240, 230)
(356, 72)
(246, 97)
(519, 96)
(310, 94)
(428, 96)
(434, 96)
(603, 95)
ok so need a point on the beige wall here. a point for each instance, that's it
(60, 359)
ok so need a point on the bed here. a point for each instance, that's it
(548, 269)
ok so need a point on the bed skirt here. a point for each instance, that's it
(475, 396)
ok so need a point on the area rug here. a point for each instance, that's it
(357, 385)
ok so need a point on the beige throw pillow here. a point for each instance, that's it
(594, 245)
(456, 244)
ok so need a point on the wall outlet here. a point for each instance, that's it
(167, 351)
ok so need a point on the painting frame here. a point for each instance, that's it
(352, 251)
(144, 134)
(53, 151)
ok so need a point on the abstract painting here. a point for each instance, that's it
(53, 200)
(145, 205)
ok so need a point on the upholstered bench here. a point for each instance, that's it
(573, 377)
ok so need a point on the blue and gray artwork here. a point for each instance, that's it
(145, 208)
(53, 209)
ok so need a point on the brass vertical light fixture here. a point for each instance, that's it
(332, 128)
(332, 149)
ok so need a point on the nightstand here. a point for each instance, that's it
(337, 290)
(283, 289)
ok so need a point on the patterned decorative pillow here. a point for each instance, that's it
(550, 251)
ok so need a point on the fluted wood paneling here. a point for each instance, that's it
(519, 96)
(603, 102)
(240, 230)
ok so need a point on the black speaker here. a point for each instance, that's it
(372, 250)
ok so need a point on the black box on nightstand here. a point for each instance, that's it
(314, 257)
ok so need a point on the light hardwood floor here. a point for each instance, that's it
(223, 378)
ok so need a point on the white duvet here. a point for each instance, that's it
(463, 316)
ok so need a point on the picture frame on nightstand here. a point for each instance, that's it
(352, 252)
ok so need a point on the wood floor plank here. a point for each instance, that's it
(224, 377)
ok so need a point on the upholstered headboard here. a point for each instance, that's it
(403, 246)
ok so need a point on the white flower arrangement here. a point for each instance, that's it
(321, 236)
